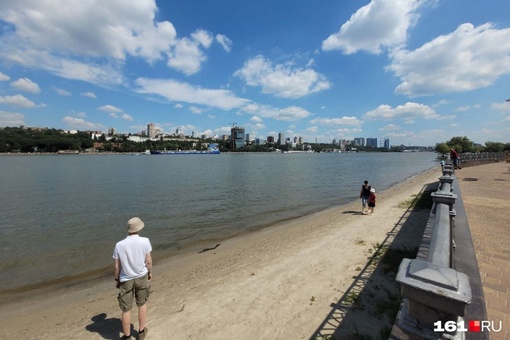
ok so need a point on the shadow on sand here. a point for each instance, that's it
(368, 308)
(108, 328)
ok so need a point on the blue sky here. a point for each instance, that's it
(415, 71)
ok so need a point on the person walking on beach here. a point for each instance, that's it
(371, 201)
(133, 271)
(454, 156)
(364, 194)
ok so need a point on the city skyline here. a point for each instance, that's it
(417, 71)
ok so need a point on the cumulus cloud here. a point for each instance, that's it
(380, 24)
(11, 119)
(390, 127)
(336, 121)
(81, 124)
(467, 59)
(127, 117)
(88, 94)
(62, 92)
(282, 80)
(505, 106)
(407, 111)
(109, 108)
(292, 113)
(224, 41)
(188, 56)
(256, 119)
(81, 40)
(17, 100)
(4, 77)
(114, 29)
(26, 85)
(183, 92)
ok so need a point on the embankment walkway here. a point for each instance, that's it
(486, 195)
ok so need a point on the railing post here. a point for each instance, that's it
(433, 292)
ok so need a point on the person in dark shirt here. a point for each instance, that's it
(363, 195)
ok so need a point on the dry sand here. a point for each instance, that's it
(288, 281)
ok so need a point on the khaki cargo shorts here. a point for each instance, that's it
(137, 288)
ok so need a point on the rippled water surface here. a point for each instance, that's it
(62, 215)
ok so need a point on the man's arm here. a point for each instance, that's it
(148, 263)
(116, 270)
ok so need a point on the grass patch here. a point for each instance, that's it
(359, 242)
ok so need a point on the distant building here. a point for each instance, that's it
(359, 141)
(372, 142)
(237, 137)
(151, 131)
(270, 139)
(281, 139)
(112, 132)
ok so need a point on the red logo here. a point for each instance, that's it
(474, 326)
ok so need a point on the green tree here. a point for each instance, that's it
(461, 144)
(442, 148)
(494, 147)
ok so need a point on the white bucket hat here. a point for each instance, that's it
(134, 225)
(372, 190)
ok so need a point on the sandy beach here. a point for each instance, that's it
(287, 281)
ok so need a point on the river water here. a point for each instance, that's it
(62, 215)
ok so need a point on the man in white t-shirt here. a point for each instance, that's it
(133, 271)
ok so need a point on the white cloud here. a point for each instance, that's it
(88, 94)
(292, 113)
(62, 92)
(17, 100)
(4, 77)
(282, 80)
(505, 106)
(11, 119)
(114, 29)
(256, 119)
(80, 123)
(127, 117)
(26, 85)
(182, 92)
(390, 127)
(195, 110)
(380, 24)
(407, 111)
(187, 57)
(336, 121)
(467, 59)
(224, 41)
(109, 108)
(466, 108)
(58, 38)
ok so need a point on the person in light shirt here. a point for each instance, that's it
(133, 272)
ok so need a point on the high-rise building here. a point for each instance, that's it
(359, 141)
(237, 137)
(151, 131)
(281, 139)
(372, 142)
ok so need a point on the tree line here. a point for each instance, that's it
(464, 145)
